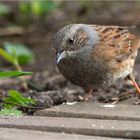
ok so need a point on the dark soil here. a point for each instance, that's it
(47, 85)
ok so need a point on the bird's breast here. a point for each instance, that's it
(84, 72)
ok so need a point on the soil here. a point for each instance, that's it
(47, 85)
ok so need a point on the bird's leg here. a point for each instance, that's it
(131, 77)
(88, 95)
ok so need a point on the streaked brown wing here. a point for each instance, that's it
(117, 42)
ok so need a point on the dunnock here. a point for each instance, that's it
(95, 56)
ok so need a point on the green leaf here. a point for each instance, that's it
(4, 9)
(8, 74)
(51, 5)
(7, 56)
(24, 7)
(17, 99)
(19, 52)
(11, 103)
(10, 112)
(42, 7)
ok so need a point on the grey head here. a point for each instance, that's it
(74, 38)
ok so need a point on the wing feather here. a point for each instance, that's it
(117, 42)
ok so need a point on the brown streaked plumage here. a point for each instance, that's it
(95, 56)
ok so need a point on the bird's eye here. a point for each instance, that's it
(70, 41)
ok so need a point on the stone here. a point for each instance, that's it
(94, 127)
(90, 110)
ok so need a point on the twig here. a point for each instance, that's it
(11, 31)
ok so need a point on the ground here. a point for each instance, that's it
(47, 85)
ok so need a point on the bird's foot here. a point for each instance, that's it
(131, 77)
(87, 97)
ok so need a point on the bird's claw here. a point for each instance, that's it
(85, 98)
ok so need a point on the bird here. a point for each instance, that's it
(96, 56)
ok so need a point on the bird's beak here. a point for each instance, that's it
(60, 56)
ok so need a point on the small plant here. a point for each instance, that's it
(15, 98)
(19, 52)
(15, 54)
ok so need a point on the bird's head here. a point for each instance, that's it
(72, 39)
